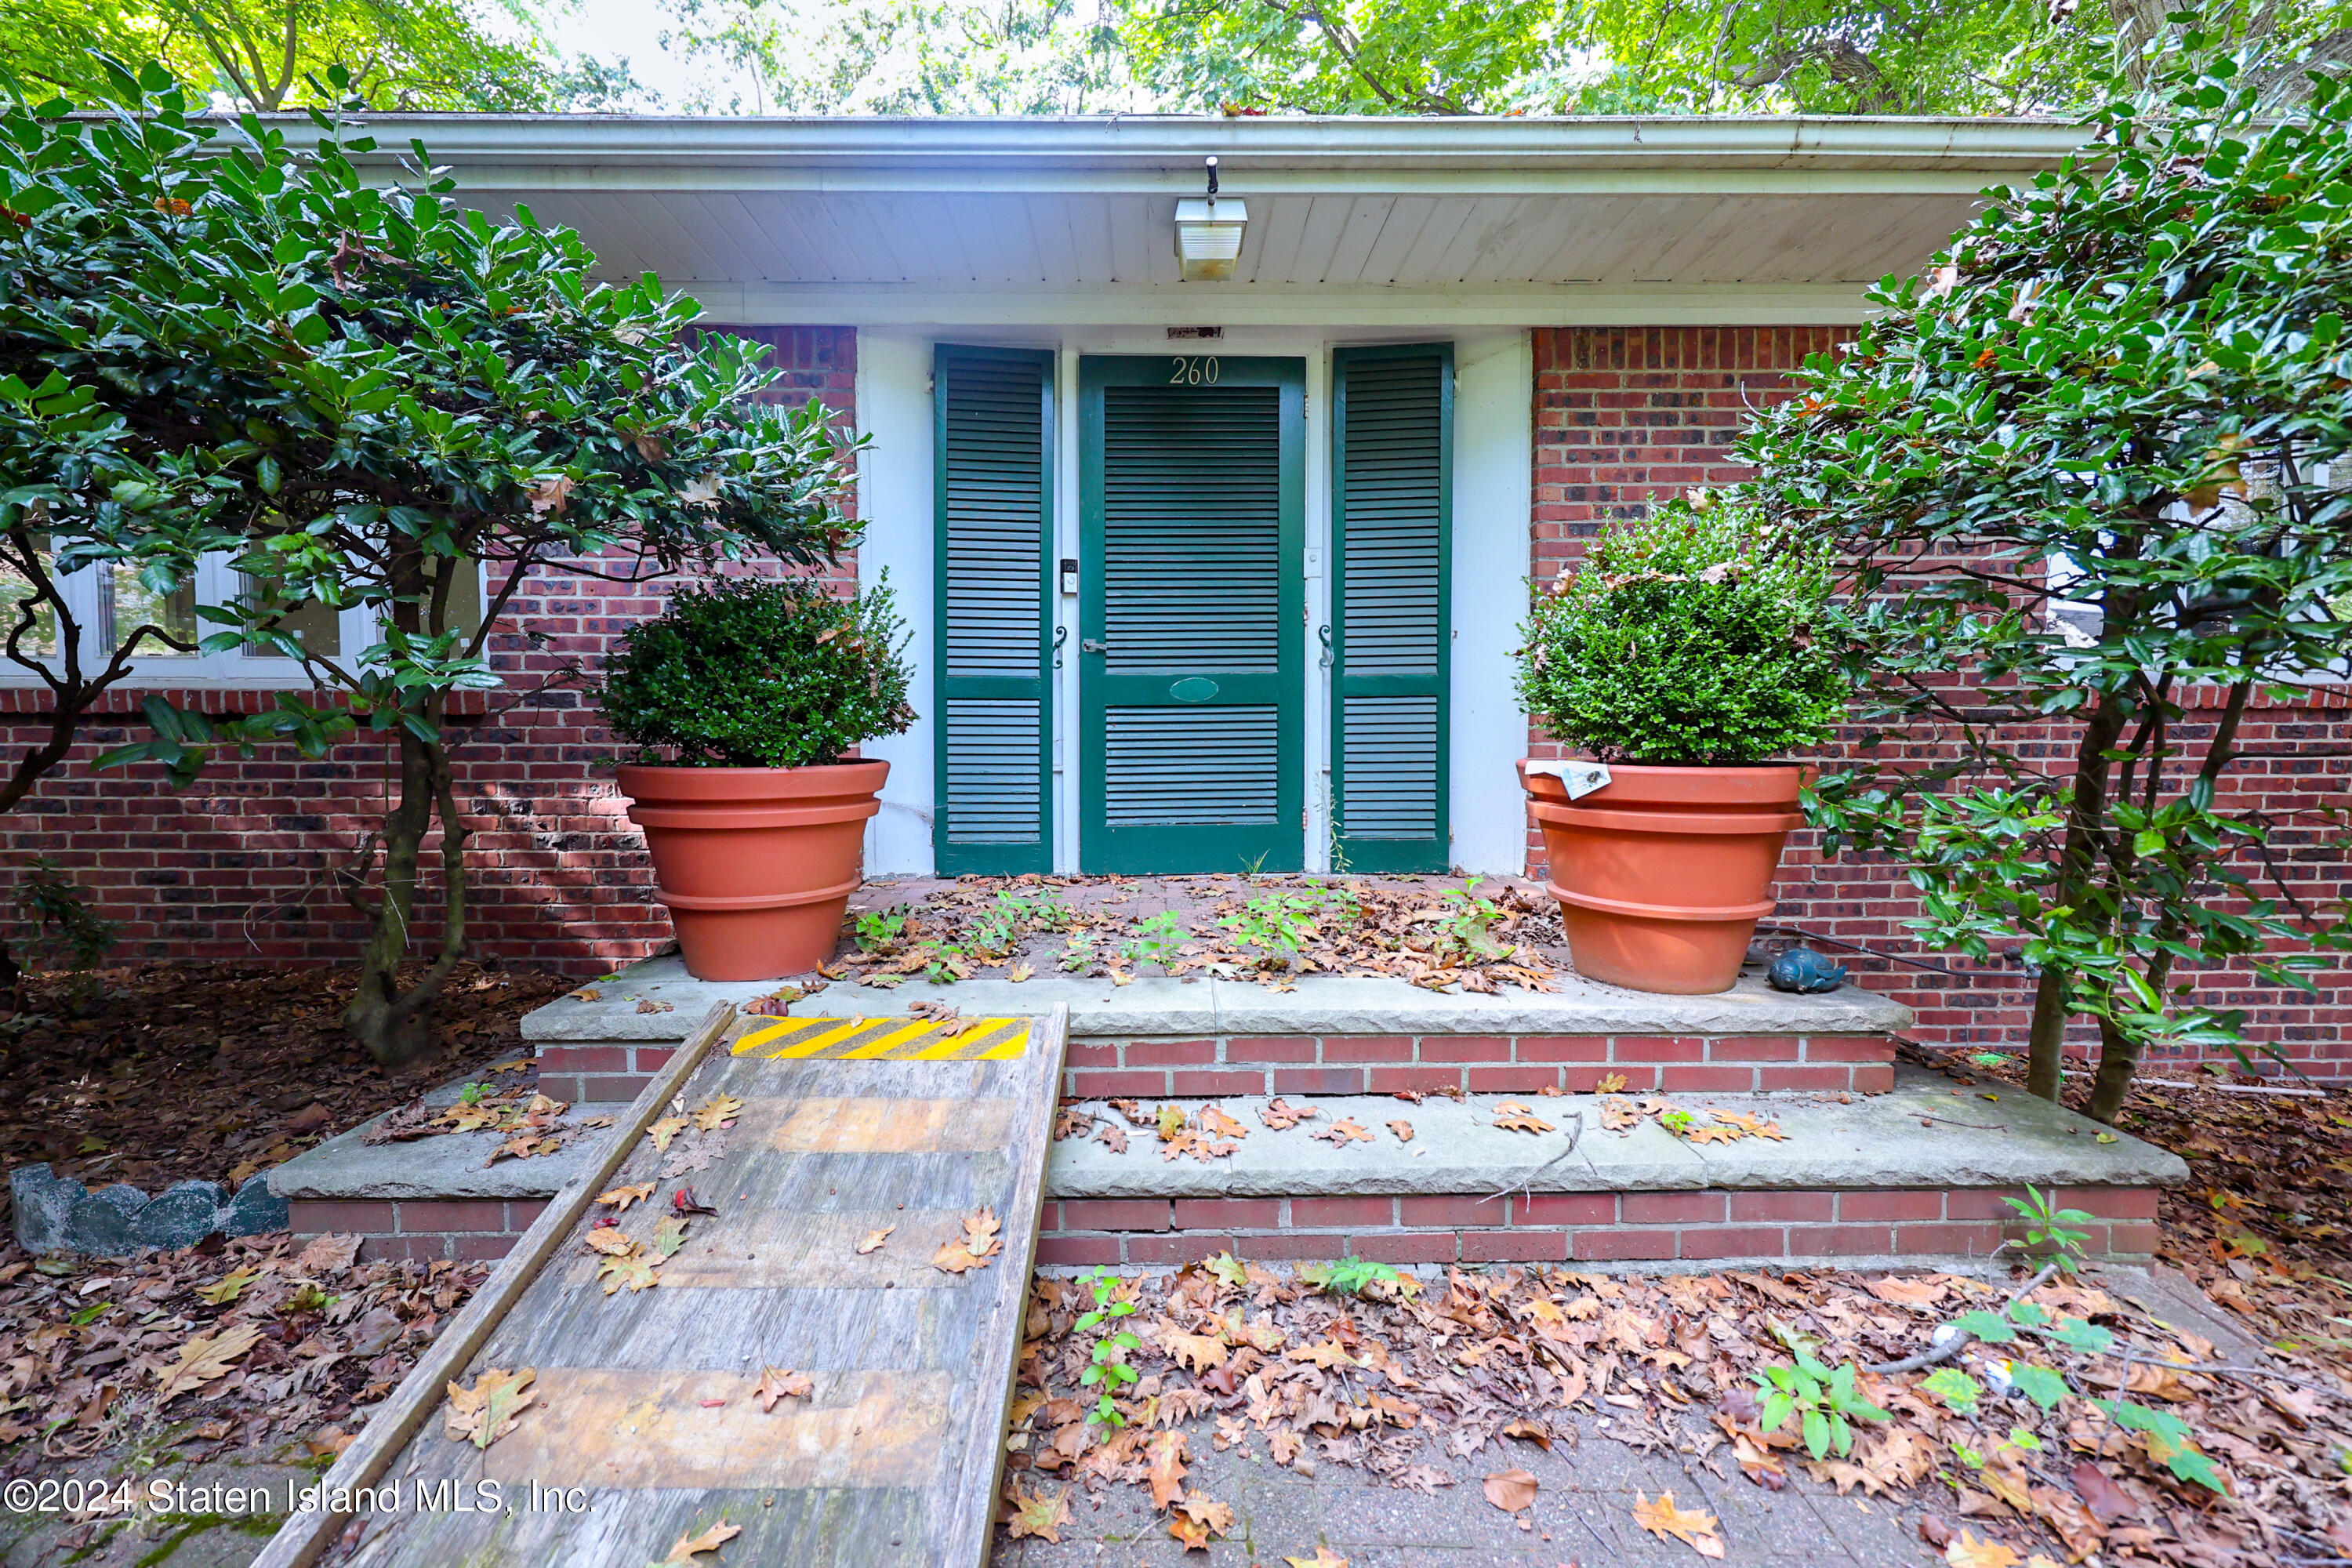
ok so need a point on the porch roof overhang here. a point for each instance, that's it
(1353, 221)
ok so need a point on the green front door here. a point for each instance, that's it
(1192, 680)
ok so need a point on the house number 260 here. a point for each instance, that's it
(1195, 370)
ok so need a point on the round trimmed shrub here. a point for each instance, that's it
(1685, 639)
(754, 672)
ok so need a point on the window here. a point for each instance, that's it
(110, 603)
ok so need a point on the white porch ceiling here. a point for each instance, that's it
(1059, 220)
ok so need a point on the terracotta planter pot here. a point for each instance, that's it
(756, 864)
(1662, 873)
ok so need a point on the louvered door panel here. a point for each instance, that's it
(1190, 686)
(1392, 472)
(993, 450)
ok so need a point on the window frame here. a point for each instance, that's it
(240, 670)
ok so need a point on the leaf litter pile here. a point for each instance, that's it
(154, 1073)
(2070, 1424)
(1437, 932)
(2263, 1225)
(237, 1343)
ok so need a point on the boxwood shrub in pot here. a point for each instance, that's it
(1683, 653)
(742, 702)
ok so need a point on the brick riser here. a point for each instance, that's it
(1708, 1228)
(1375, 1064)
(471, 1230)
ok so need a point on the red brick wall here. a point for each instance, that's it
(236, 866)
(1625, 415)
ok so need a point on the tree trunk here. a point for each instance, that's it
(2118, 1063)
(2086, 812)
(2046, 1040)
(396, 1027)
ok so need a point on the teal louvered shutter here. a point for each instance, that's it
(1191, 614)
(1392, 470)
(993, 443)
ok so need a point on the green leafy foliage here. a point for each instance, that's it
(2051, 1231)
(66, 932)
(1824, 1404)
(1956, 1388)
(1156, 939)
(275, 54)
(879, 930)
(1466, 933)
(2170, 1439)
(1278, 925)
(2088, 463)
(1351, 1276)
(1993, 1327)
(2040, 1383)
(1685, 638)
(384, 394)
(754, 672)
(1107, 1366)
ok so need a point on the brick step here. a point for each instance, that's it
(1713, 1226)
(1327, 1034)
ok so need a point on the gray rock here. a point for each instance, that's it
(97, 1225)
(128, 1199)
(213, 1191)
(178, 1218)
(53, 1213)
(255, 1209)
(41, 1203)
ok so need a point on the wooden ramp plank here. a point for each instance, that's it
(645, 1426)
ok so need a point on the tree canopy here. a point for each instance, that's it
(1428, 57)
(380, 403)
(2092, 465)
(273, 54)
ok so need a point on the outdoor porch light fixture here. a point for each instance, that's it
(1209, 234)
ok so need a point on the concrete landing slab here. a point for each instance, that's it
(1919, 1135)
(446, 1165)
(1197, 1005)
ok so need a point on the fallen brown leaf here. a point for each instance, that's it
(1967, 1552)
(1035, 1513)
(1695, 1528)
(1511, 1490)
(873, 1239)
(687, 1546)
(1280, 1114)
(1167, 1472)
(204, 1358)
(776, 1383)
(979, 1243)
(1403, 1130)
(622, 1197)
(488, 1410)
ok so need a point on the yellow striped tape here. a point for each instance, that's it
(889, 1039)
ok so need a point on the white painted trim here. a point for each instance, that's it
(1494, 454)
(1069, 766)
(1437, 309)
(894, 496)
(1314, 538)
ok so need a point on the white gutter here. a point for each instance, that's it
(1159, 154)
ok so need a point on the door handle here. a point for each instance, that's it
(1093, 645)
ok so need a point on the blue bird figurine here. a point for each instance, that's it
(1803, 970)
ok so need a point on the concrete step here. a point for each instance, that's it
(1327, 1034)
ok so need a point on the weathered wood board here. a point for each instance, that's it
(645, 1427)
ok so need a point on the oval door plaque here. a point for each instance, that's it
(1194, 688)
